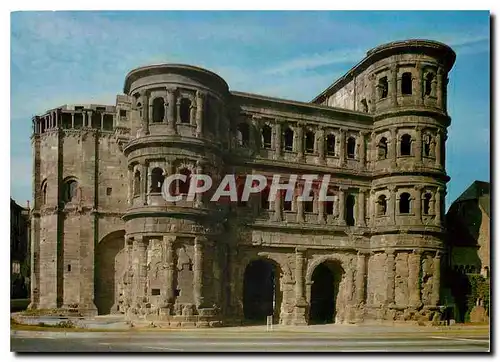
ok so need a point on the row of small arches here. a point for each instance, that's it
(69, 190)
(405, 204)
(406, 85)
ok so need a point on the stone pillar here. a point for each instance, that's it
(198, 270)
(198, 198)
(139, 260)
(178, 110)
(438, 149)
(418, 145)
(392, 204)
(362, 148)
(170, 268)
(360, 278)
(277, 140)
(373, 92)
(321, 209)
(394, 146)
(342, 150)
(418, 203)
(436, 280)
(200, 102)
(361, 207)
(414, 278)
(72, 119)
(393, 89)
(130, 186)
(300, 299)
(390, 275)
(420, 84)
(278, 210)
(320, 141)
(342, 190)
(144, 183)
(300, 205)
(84, 120)
(441, 80)
(102, 121)
(438, 207)
(300, 141)
(89, 119)
(145, 115)
(171, 109)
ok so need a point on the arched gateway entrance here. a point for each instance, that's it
(324, 290)
(261, 294)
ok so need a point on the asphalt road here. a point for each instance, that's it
(198, 341)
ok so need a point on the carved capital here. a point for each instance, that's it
(419, 187)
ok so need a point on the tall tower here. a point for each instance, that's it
(408, 100)
(180, 124)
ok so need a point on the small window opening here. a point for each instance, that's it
(69, 267)
(351, 147)
(427, 203)
(406, 83)
(381, 205)
(427, 145)
(155, 292)
(157, 179)
(123, 113)
(108, 191)
(406, 145)
(70, 189)
(429, 81)
(264, 199)
(243, 134)
(158, 110)
(382, 148)
(185, 110)
(137, 183)
(309, 142)
(349, 214)
(383, 88)
(364, 105)
(330, 145)
(288, 139)
(266, 136)
(404, 203)
(309, 205)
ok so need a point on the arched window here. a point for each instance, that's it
(243, 134)
(157, 179)
(287, 204)
(69, 190)
(309, 142)
(185, 111)
(429, 84)
(44, 192)
(383, 88)
(427, 203)
(183, 186)
(404, 203)
(309, 205)
(264, 199)
(406, 83)
(381, 205)
(427, 139)
(406, 145)
(382, 148)
(330, 145)
(288, 138)
(139, 107)
(266, 136)
(158, 109)
(137, 183)
(364, 105)
(351, 147)
(329, 204)
(349, 210)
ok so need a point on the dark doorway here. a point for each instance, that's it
(324, 289)
(261, 296)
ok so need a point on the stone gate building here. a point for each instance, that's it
(105, 241)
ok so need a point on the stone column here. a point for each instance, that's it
(171, 109)
(277, 140)
(362, 148)
(300, 299)
(139, 260)
(102, 120)
(440, 88)
(84, 120)
(436, 280)
(170, 268)
(254, 133)
(342, 149)
(390, 275)
(392, 204)
(321, 208)
(418, 145)
(130, 186)
(438, 205)
(361, 207)
(420, 84)
(437, 149)
(300, 205)
(145, 115)
(414, 278)
(72, 119)
(360, 278)
(320, 140)
(342, 190)
(178, 110)
(300, 141)
(144, 183)
(394, 146)
(393, 90)
(198, 198)
(198, 270)
(278, 214)
(89, 119)
(200, 102)
(418, 203)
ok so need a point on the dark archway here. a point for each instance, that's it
(324, 290)
(261, 291)
(107, 266)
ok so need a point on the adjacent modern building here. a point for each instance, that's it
(104, 240)
(19, 251)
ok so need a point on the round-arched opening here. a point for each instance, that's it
(261, 291)
(324, 290)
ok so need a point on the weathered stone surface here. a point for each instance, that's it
(116, 246)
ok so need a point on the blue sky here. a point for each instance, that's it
(83, 57)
